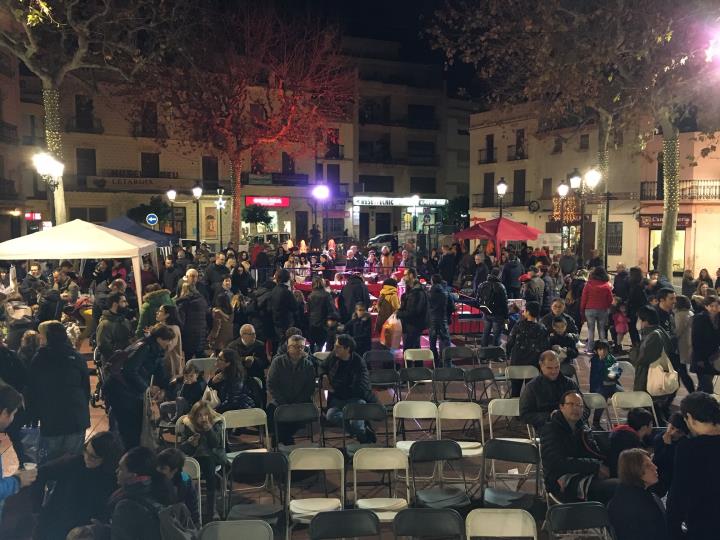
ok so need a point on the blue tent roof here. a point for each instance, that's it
(127, 225)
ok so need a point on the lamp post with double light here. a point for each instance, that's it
(583, 185)
(562, 191)
(220, 204)
(501, 188)
(171, 194)
(197, 192)
(51, 171)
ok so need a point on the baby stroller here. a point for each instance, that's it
(96, 398)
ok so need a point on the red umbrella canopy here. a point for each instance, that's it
(504, 229)
(471, 233)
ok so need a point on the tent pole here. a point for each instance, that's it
(138, 278)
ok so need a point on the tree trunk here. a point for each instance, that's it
(236, 165)
(671, 201)
(604, 126)
(53, 137)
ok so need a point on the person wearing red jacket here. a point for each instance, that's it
(595, 302)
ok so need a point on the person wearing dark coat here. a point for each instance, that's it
(350, 382)
(171, 275)
(32, 285)
(355, 291)
(283, 305)
(635, 512)
(527, 341)
(541, 396)
(637, 298)
(630, 435)
(251, 352)
(558, 309)
(360, 328)
(114, 332)
(510, 276)
(664, 448)
(571, 460)
(320, 305)
(259, 312)
(216, 272)
(231, 383)
(49, 306)
(193, 310)
(58, 394)
(82, 486)
(441, 307)
(446, 266)
(481, 272)
(14, 372)
(145, 358)
(413, 311)
(705, 338)
(621, 284)
(242, 281)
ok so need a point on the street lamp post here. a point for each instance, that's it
(320, 193)
(584, 184)
(501, 188)
(562, 190)
(197, 192)
(51, 171)
(171, 194)
(220, 205)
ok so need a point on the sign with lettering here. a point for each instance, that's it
(397, 201)
(273, 202)
(654, 221)
(113, 183)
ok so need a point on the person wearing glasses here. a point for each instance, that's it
(574, 468)
(252, 352)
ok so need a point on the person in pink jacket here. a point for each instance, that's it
(594, 304)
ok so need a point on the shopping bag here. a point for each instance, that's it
(662, 379)
(211, 396)
(391, 332)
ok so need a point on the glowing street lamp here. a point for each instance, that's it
(197, 192)
(713, 49)
(575, 179)
(562, 190)
(592, 178)
(320, 193)
(171, 194)
(501, 188)
(49, 168)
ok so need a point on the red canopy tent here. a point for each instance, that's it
(500, 230)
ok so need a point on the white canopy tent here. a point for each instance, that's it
(79, 239)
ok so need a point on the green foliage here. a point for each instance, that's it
(157, 206)
(457, 212)
(256, 214)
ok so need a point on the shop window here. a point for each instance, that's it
(94, 214)
(614, 237)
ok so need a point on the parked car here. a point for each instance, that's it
(377, 242)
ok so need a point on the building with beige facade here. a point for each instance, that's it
(513, 145)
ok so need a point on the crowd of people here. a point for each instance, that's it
(262, 315)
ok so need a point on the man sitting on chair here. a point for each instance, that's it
(541, 396)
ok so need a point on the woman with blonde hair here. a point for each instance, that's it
(200, 436)
(636, 513)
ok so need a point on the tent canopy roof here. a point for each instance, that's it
(76, 239)
(129, 226)
(500, 230)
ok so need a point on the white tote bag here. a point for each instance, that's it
(662, 379)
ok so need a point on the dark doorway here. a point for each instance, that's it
(364, 227)
(301, 226)
(588, 237)
(383, 222)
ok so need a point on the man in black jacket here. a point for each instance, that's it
(251, 351)
(572, 462)
(621, 284)
(480, 274)
(354, 292)
(171, 274)
(510, 276)
(527, 341)
(441, 307)
(58, 395)
(283, 306)
(492, 295)
(350, 381)
(216, 272)
(413, 311)
(193, 310)
(33, 284)
(541, 396)
(446, 265)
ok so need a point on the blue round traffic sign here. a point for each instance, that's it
(151, 219)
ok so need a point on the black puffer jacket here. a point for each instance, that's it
(60, 391)
(349, 379)
(413, 312)
(193, 310)
(510, 275)
(259, 311)
(566, 451)
(492, 294)
(355, 291)
(284, 309)
(440, 304)
(541, 396)
(527, 341)
(621, 285)
(320, 304)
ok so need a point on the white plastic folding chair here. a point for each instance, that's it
(468, 412)
(630, 400)
(510, 408)
(205, 365)
(382, 459)
(594, 401)
(627, 368)
(413, 410)
(500, 523)
(520, 373)
(191, 467)
(418, 355)
(302, 510)
(231, 530)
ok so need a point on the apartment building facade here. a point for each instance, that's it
(514, 145)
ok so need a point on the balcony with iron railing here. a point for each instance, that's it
(491, 200)
(8, 133)
(516, 153)
(688, 190)
(154, 131)
(84, 124)
(487, 155)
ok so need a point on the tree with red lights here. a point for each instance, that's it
(249, 82)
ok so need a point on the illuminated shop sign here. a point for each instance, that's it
(397, 201)
(273, 202)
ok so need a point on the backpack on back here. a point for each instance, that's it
(175, 520)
